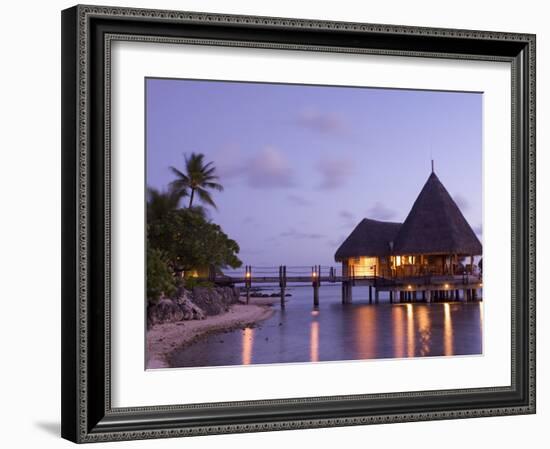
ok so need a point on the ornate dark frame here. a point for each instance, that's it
(87, 32)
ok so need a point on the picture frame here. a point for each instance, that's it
(87, 411)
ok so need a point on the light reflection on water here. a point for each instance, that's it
(424, 329)
(248, 344)
(398, 331)
(448, 330)
(314, 342)
(410, 330)
(334, 332)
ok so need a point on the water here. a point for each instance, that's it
(334, 331)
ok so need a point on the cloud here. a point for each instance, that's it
(293, 233)
(334, 172)
(346, 215)
(297, 200)
(461, 201)
(348, 218)
(268, 168)
(381, 212)
(228, 162)
(321, 122)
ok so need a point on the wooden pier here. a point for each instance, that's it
(427, 288)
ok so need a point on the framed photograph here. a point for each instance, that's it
(276, 224)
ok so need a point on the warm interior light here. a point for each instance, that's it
(247, 274)
(409, 286)
(446, 285)
(314, 274)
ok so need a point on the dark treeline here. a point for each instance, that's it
(182, 242)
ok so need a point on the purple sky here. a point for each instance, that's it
(302, 165)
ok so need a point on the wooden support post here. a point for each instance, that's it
(346, 292)
(391, 296)
(248, 282)
(465, 295)
(316, 294)
(428, 296)
(424, 295)
(370, 294)
(315, 283)
(376, 297)
(282, 284)
(414, 296)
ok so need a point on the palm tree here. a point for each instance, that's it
(159, 204)
(198, 178)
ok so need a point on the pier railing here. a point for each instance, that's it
(446, 286)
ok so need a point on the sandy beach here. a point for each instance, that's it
(162, 339)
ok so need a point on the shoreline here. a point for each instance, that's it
(163, 339)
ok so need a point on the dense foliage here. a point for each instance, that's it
(190, 242)
(160, 279)
(183, 239)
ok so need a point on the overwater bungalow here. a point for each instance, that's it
(433, 249)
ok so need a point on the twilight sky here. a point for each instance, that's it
(302, 165)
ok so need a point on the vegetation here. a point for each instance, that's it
(191, 282)
(198, 179)
(160, 204)
(183, 239)
(190, 242)
(160, 279)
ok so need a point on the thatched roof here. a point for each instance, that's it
(369, 238)
(435, 225)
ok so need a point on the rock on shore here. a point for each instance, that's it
(214, 301)
(163, 339)
(178, 321)
(196, 305)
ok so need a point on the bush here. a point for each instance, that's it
(160, 279)
(190, 283)
(189, 241)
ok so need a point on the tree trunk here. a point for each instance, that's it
(191, 198)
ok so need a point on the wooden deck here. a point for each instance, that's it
(430, 287)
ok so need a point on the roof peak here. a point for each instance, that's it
(436, 224)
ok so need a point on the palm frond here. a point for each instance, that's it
(179, 174)
(205, 197)
(198, 176)
(213, 185)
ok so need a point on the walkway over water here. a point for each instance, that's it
(426, 288)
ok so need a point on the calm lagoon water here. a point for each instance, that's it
(334, 331)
